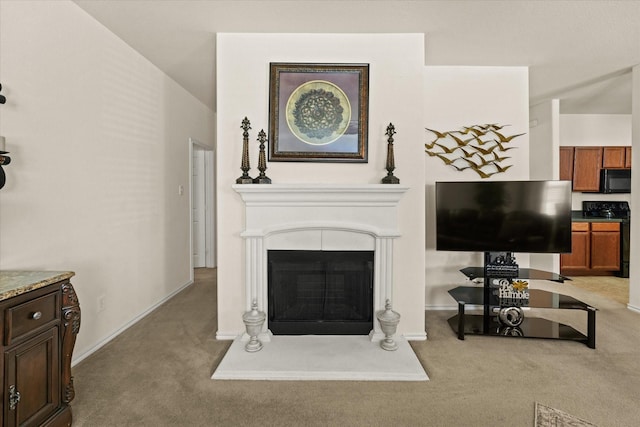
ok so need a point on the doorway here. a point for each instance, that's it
(202, 209)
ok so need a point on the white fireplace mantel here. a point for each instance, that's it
(320, 217)
(320, 194)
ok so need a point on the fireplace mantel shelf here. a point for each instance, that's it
(320, 194)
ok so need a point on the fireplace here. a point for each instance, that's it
(320, 218)
(320, 292)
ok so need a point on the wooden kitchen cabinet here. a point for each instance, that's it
(586, 168)
(627, 157)
(580, 248)
(566, 163)
(605, 246)
(595, 249)
(613, 157)
(40, 320)
(582, 165)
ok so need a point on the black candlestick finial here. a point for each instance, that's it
(245, 178)
(391, 165)
(262, 162)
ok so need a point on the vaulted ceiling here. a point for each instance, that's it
(580, 52)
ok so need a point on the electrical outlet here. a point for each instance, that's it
(102, 302)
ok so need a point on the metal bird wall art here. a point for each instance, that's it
(480, 148)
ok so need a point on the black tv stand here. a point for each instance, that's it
(503, 313)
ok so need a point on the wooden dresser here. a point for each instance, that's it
(39, 324)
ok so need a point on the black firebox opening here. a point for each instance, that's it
(320, 292)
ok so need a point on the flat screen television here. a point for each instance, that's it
(504, 216)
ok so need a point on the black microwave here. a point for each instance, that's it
(615, 181)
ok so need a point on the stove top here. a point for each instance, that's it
(602, 209)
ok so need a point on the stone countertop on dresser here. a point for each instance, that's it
(13, 283)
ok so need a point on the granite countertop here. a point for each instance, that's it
(13, 283)
(576, 216)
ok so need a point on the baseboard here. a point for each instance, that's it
(127, 325)
(633, 308)
(226, 336)
(416, 336)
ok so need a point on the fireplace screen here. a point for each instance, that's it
(320, 292)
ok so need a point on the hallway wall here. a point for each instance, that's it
(99, 140)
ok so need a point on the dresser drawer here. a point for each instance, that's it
(605, 226)
(579, 226)
(23, 319)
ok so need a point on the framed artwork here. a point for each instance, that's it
(318, 112)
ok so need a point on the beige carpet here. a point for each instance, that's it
(550, 417)
(158, 373)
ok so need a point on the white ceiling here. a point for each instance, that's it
(578, 51)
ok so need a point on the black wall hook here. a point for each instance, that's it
(2, 98)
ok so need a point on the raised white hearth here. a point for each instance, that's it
(331, 217)
(321, 357)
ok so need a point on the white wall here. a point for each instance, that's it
(466, 96)
(634, 269)
(99, 140)
(395, 95)
(595, 129)
(544, 140)
(544, 161)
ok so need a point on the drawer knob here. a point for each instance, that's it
(37, 315)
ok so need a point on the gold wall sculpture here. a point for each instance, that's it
(481, 148)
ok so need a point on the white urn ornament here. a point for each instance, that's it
(253, 321)
(389, 320)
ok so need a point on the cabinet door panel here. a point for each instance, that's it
(579, 256)
(566, 163)
(33, 368)
(613, 157)
(627, 157)
(605, 250)
(586, 169)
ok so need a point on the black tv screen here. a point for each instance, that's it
(504, 216)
